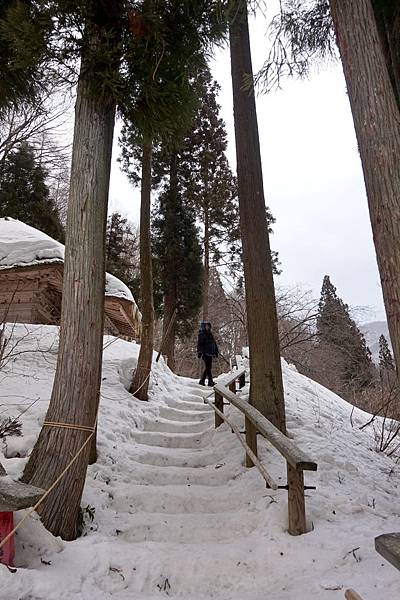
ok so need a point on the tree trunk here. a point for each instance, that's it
(76, 388)
(206, 276)
(140, 383)
(266, 388)
(171, 292)
(393, 37)
(169, 328)
(377, 125)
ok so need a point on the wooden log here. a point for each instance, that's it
(289, 450)
(219, 404)
(251, 440)
(388, 546)
(296, 501)
(263, 471)
(352, 595)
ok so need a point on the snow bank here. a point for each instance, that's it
(25, 246)
(178, 514)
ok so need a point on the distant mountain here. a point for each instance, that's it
(372, 331)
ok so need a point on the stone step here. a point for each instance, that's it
(169, 457)
(179, 499)
(175, 414)
(190, 528)
(167, 426)
(173, 440)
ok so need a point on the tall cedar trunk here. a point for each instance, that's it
(266, 389)
(76, 388)
(206, 276)
(140, 383)
(169, 327)
(377, 125)
(171, 292)
(393, 37)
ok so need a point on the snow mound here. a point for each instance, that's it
(25, 246)
(176, 512)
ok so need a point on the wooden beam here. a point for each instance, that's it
(352, 595)
(388, 546)
(294, 456)
(251, 439)
(268, 478)
(15, 495)
(233, 377)
(219, 404)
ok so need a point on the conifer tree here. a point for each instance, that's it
(122, 253)
(24, 30)
(336, 329)
(376, 117)
(160, 112)
(266, 388)
(178, 263)
(24, 194)
(102, 35)
(208, 182)
(386, 362)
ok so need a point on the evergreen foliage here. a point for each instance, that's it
(24, 194)
(24, 29)
(303, 34)
(122, 252)
(207, 181)
(338, 331)
(177, 257)
(386, 362)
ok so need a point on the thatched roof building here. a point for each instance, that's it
(31, 273)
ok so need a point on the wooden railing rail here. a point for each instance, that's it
(297, 460)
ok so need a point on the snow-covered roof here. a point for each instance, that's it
(25, 246)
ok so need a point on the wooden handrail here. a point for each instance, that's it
(297, 461)
(285, 446)
(267, 476)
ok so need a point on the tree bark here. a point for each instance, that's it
(169, 328)
(140, 383)
(76, 389)
(393, 36)
(171, 292)
(377, 125)
(266, 387)
(206, 276)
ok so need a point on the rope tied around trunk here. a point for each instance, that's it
(91, 431)
(69, 426)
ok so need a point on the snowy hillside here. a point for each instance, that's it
(176, 512)
(372, 332)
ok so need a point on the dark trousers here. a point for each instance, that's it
(207, 372)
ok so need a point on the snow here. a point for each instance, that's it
(25, 246)
(176, 512)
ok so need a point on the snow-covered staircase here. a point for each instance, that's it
(191, 516)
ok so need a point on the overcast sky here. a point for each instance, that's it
(312, 180)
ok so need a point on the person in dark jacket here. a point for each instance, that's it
(207, 349)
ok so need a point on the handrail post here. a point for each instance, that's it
(251, 440)
(219, 403)
(296, 501)
(242, 380)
